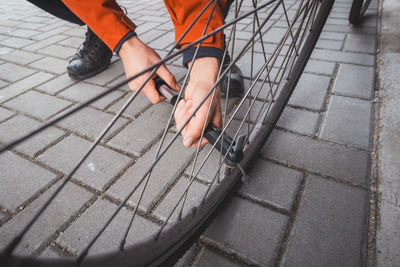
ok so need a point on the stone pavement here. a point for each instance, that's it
(307, 200)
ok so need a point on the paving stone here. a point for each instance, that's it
(360, 43)
(91, 122)
(331, 226)
(57, 214)
(16, 42)
(354, 81)
(329, 44)
(20, 57)
(23, 85)
(12, 73)
(82, 91)
(50, 64)
(59, 51)
(43, 43)
(50, 253)
(195, 194)
(143, 28)
(210, 167)
(272, 184)
(57, 84)
(74, 42)
(5, 114)
(90, 222)
(97, 170)
(211, 259)
(24, 33)
(134, 109)
(164, 173)
(345, 57)
(3, 84)
(348, 121)
(38, 104)
(297, 120)
(19, 126)
(347, 29)
(262, 225)
(163, 42)
(20, 180)
(151, 35)
(319, 157)
(117, 81)
(113, 71)
(139, 135)
(320, 67)
(310, 92)
(50, 33)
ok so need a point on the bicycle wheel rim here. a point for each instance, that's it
(175, 235)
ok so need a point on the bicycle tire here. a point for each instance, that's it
(165, 249)
(357, 10)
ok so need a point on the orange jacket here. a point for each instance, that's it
(108, 21)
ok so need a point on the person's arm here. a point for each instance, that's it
(106, 19)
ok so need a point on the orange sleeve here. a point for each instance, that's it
(183, 13)
(104, 17)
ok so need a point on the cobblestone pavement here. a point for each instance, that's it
(307, 200)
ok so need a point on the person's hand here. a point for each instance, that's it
(203, 76)
(136, 56)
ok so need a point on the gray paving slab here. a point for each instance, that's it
(20, 180)
(300, 121)
(355, 81)
(331, 226)
(56, 215)
(59, 51)
(37, 46)
(50, 64)
(82, 91)
(310, 92)
(137, 106)
(320, 157)
(345, 57)
(11, 72)
(56, 85)
(21, 125)
(91, 122)
(5, 114)
(16, 42)
(194, 195)
(91, 221)
(348, 121)
(33, 103)
(262, 226)
(97, 170)
(139, 135)
(272, 184)
(210, 259)
(320, 67)
(20, 57)
(23, 85)
(163, 174)
(363, 43)
(113, 71)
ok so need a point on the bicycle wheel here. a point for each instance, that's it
(357, 10)
(272, 56)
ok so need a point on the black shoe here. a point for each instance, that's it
(92, 57)
(236, 85)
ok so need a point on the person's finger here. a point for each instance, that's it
(151, 92)
(168, 77)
